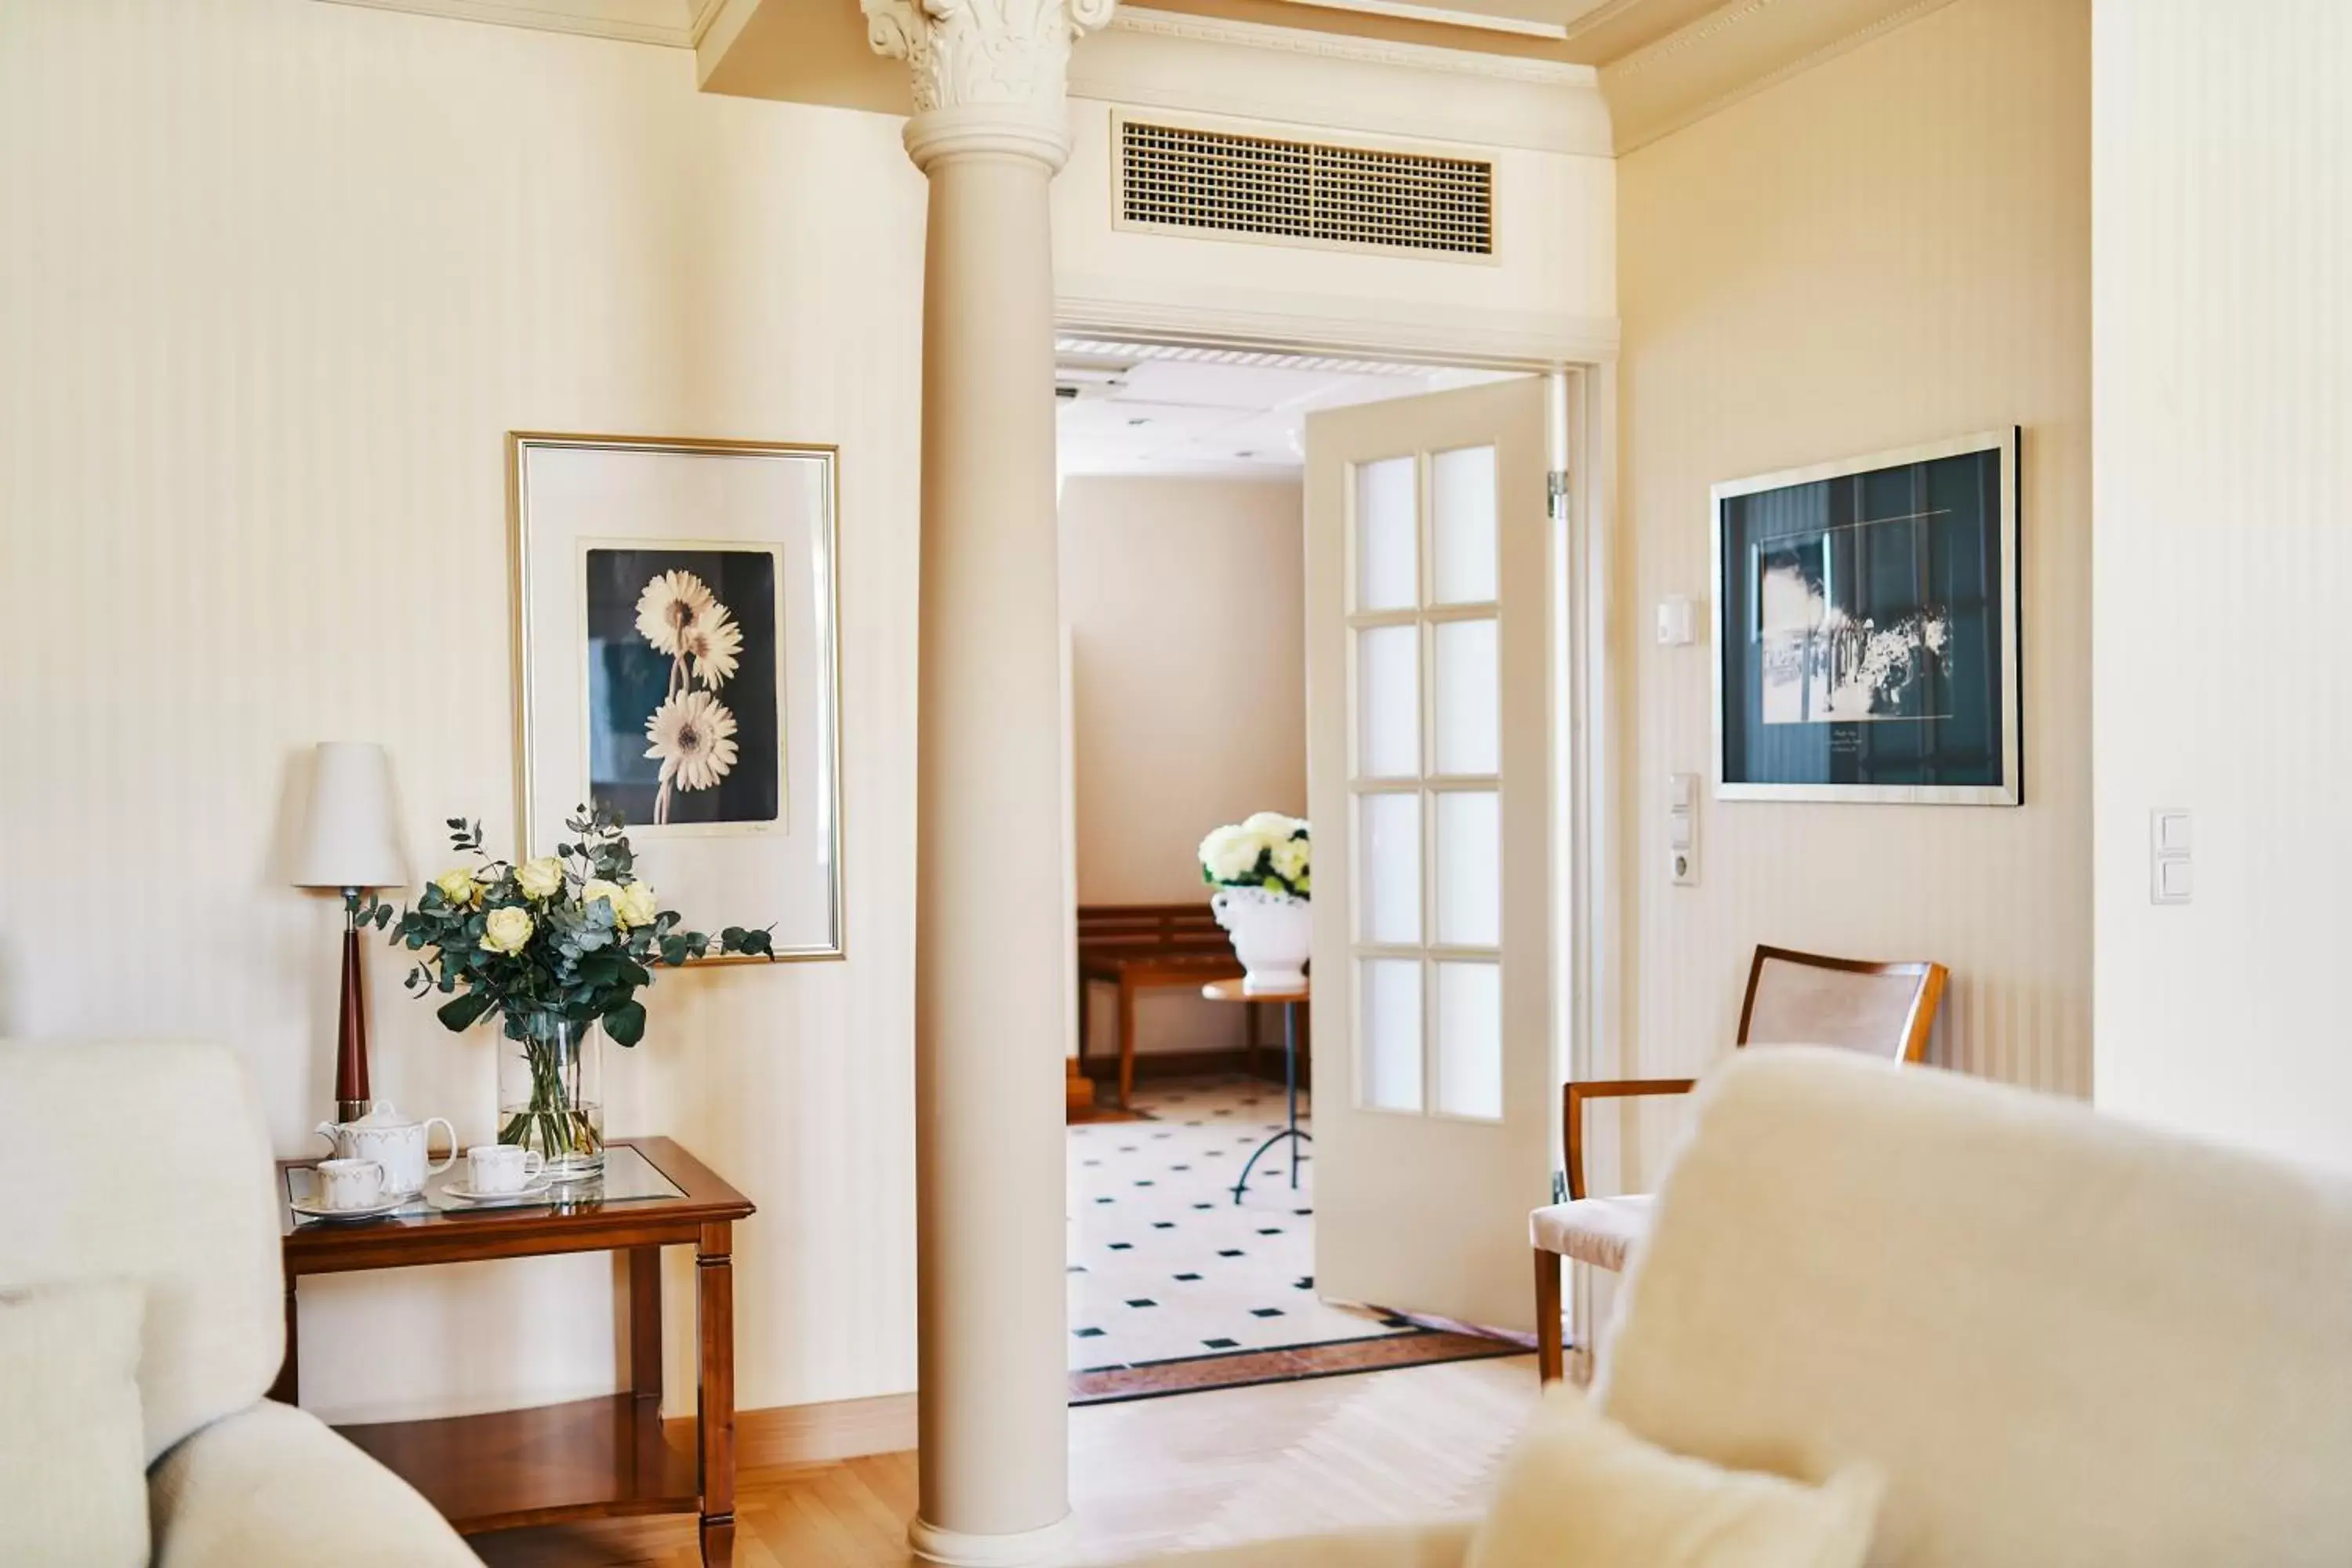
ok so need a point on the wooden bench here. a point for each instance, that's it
(1145, 947)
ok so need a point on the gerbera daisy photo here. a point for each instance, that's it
(685, 691)
(693, 737)
(673, 605)
(710, 647)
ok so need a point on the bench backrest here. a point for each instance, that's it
(1150, 931)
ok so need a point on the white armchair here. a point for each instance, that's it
(149, 1163)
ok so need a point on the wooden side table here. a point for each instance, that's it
(591, 1458)
(1231, 991)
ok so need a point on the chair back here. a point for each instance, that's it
(1806, 999)
(149, 1163)
(2064, 1338)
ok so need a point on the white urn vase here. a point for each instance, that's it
(1272, 934)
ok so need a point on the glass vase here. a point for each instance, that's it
(551, 1094)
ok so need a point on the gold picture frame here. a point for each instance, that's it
(569, 494)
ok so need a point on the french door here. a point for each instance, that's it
(1429, 562)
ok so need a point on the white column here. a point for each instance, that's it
(989, 129)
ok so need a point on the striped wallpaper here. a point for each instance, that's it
(1889, 249)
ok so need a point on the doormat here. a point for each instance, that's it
(1290, 1364)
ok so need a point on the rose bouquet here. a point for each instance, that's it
(554, 945)
(1267, 851)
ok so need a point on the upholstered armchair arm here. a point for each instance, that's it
(1571, 1119)
(272, 1484)
(1407, 1546)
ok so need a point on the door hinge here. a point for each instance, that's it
(1555, 494)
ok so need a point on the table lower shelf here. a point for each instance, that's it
(590, 1458)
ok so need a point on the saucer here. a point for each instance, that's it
(463, 1191)
(320, 1210)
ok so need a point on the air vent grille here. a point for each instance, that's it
(1354, 196)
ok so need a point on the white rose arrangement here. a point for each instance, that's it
(567, 937)
(1267, 850)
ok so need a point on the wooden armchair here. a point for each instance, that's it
(1793, 999)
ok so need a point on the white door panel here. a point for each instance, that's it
(1428, 569)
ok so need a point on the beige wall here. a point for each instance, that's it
(2224, 359)
(279, 277)
(1183, 600)
(1888, 248)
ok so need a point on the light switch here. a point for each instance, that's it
(1682, 829)
(2171, 879)
(1677, 621)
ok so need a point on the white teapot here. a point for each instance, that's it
(392, 1141)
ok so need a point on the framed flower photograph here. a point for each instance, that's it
(675, 663)
(685, 721)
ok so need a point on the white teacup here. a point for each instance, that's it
(350, 1183)
(502, 1167)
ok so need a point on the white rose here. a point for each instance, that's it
(608, 892)
(458, 886)
(1290, 859)
(507, 930)
(1231, 853)
(539, 879)
(638, 905)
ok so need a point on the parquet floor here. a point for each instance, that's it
(1159, 1474)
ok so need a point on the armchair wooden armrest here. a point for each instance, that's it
(1572, 1113)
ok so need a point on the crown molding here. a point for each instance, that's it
(671, 24)
(1733, 52)
(1348, 47)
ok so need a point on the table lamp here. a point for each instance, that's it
(351, 842)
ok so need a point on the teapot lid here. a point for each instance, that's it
(381, 1114)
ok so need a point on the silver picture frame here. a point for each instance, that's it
(1732, 780)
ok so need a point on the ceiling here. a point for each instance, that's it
(1662, 64)
(1211, 413)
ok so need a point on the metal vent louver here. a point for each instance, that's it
(1175, 176)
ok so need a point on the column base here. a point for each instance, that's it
(1025, 1549)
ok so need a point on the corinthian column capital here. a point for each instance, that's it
(989, 74)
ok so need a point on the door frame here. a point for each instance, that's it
(1577, 356)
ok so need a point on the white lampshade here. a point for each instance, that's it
(349, 838)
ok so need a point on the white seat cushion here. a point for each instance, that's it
(1598, 1231)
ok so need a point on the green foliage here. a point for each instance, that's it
(491, 946)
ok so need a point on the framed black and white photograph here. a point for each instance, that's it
(1866, 628)
(686, 718)
(675, 660)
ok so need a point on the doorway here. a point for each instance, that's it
(1187, 600)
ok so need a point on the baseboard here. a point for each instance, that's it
(813, 1433)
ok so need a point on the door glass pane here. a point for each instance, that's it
(1389, 1029)
(1388, 688)
(1470, 1040)
(1469, 868)
(1387, 901)
(1387, 537)
(1465, 682)
(1462, 498)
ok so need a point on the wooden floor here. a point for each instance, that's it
(1159, 1474)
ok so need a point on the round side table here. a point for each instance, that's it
(1291, 1001)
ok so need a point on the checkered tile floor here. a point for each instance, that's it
(1164, 1263)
